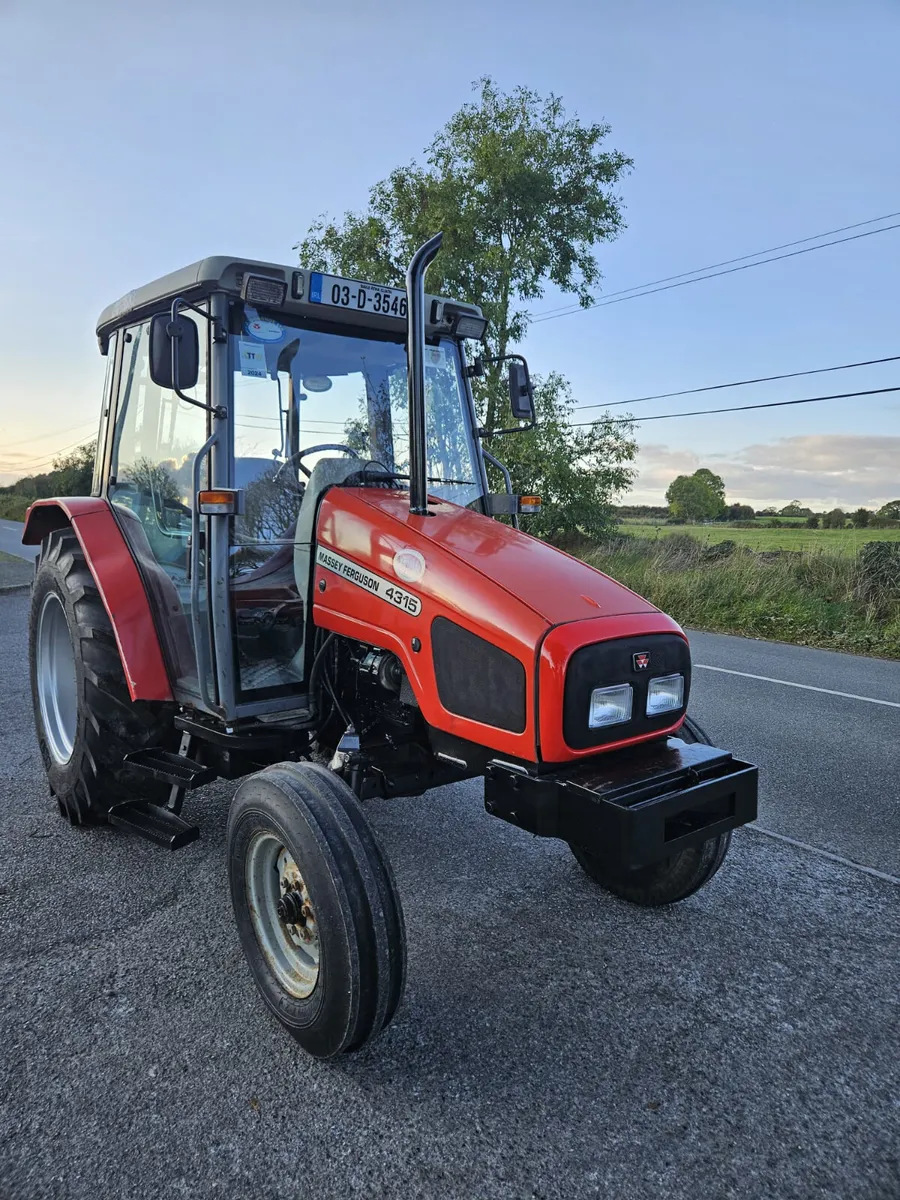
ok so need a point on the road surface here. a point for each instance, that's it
(554, 1042)
(11, 540)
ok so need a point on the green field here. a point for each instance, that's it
(835, 541)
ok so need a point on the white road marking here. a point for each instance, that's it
(806, 687)
(838, 858)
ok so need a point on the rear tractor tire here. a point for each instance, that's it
(316, 905)
(668, 881)
(84, 717)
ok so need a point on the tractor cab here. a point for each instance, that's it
(238, 394)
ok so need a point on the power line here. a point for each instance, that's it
(651, 290)
(740, 407)
(714, 387)
(728, 261)
(56, 432)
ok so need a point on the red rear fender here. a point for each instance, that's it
(118, 581)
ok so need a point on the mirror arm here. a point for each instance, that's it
(219, 335)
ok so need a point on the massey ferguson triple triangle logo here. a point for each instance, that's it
(641, 660)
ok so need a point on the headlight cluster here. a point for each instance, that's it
(613, 705)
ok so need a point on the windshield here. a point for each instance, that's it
(296, 388)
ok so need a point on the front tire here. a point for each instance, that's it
(317, 909)
(668, 881)
(84, 717)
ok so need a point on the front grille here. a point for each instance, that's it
(477, 679)
(608, 663)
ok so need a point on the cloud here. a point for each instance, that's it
(820, 470)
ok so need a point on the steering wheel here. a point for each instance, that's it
(294, 460)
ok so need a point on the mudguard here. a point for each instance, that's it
(118, 581)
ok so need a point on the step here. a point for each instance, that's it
(168, 767)
(156, 824)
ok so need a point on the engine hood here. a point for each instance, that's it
(553, 584)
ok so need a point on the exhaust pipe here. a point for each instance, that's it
(415, 306)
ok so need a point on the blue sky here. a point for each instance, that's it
(139, 138)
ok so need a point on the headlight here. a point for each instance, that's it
(610, 706)
(665, 694)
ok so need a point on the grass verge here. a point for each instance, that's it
(813, 598)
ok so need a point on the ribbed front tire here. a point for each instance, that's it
(664, 882)
(316, 906)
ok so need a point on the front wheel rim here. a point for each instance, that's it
(57, 686)
(282, 914)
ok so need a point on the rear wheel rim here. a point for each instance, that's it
(282, 914)
(56, 680)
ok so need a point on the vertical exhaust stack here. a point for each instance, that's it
(415, 303)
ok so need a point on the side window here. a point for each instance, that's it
(108, 397)
(155, 441)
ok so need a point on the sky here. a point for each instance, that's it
(139, 138)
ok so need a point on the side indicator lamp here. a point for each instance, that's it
(529, 504)
(221, 501)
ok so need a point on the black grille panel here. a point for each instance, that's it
(477, 679)
(607, 663)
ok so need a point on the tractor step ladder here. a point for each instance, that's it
(156, 822)
(153, 822)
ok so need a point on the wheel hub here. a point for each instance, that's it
(282, 914)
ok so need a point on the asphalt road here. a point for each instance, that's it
(554, 1042)
(11, 540)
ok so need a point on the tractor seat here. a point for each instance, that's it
(325, 474)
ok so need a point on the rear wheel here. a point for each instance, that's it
(316, 906)
(668, 881)
(84, 717)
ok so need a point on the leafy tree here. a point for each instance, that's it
(524, 194)
(795, 509)
(697, 497)
(739, 512)
(575, 471)
(891, 510)
(812, 521)
(836, 519)
(861, 518)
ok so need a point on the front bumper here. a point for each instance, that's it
(634, 806)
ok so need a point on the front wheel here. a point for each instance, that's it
(316, 906)
(674, 878)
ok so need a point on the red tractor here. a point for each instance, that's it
(288, 559)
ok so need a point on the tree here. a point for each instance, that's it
(795, 509)
(836, 519)
(860, 518)
(697, 497)
(739, 512)
(524, 194)
(812, 522)
(891, 510)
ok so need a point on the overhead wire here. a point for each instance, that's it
(739, 408)
(649, 289)
(714, 387)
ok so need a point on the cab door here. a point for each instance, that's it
(156, 438)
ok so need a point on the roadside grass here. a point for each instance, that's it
(796, 537)
(12, 507)
(818, 598)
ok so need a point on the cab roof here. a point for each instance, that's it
(219, 273)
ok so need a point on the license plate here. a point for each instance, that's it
(363, 297)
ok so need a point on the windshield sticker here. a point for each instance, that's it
(260, 329)
(435, 356)
(369, 581)
(253, 360)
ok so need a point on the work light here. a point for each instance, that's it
(665, 694)
(610, 706)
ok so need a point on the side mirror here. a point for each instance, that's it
(521, 393)
(174, 345)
